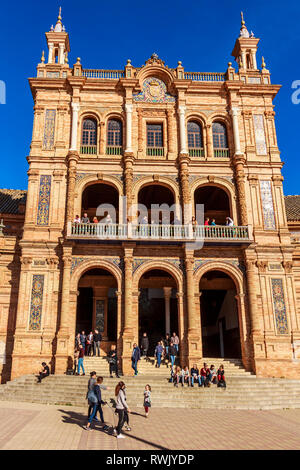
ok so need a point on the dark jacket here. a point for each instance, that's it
(145, 342)
(97, 337)
(136, 354)
(83, 339)
(112, 357)
(97, 391)
(167, 342)
(172, 350)
(159, 349)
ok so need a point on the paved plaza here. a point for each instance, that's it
(36, 426)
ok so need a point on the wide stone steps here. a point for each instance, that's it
(241, 393)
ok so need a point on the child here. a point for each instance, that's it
(147, 399)
(221, 377)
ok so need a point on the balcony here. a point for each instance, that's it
(114, 150)
(221, 153)
(183, 233)
(88, 149)
(196, 152)
(155, 151)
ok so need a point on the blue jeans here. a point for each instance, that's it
(172, 360)
(176, 347)
(80, 365)
(198, 379)
(93, 414)
(134, 367)
(158, 359)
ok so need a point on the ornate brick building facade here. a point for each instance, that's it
(156, 135)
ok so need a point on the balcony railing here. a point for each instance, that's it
(161, 232)
(196, 152)
(155, 151)
(221, 153)
(104, 74)
(88, 149)
(205, 76)
(114, 150)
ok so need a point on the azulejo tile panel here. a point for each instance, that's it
(281, 322)
(44, 200)
(49, 129)
(154, 91)
(260, 136)
(267, 205)
(36, 304)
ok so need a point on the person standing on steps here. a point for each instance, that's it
(83, 340)
(121, 406)
(147, 399)
(175, 341)
(166, 342)
(97, 341)
(145, 345)
(172, 354)
(113, 361)
(158, 353)
(80, 360)
(135, 357)
(89, 342)
(76, 356)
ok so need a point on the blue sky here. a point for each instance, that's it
(105, 34)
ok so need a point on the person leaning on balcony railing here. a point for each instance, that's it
(85, 219)
(77, 220)
(95, 220)
(229, 222)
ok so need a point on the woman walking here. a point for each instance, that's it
(121, 406)
(147, 399)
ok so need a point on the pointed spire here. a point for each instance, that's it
(43, 57)
(244, 33)
(263, 64)
(59, 26)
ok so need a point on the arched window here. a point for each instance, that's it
(195, 141)
(220, 140)
(89, 136)
(114, 137)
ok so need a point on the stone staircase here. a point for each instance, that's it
(244, 391)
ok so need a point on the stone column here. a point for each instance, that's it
(171, 139)
(119, 323)
(128, 334)
(61, 56)
(254, 62)
(252, 284)
(239, 162)
(185, 188)
(167, 295)
(74, 130)
(189, 267)
(50, 54)
(72, 171)
(128, 178)
(236, 133)
(102, 138)
(209, 141)
(128, 109)
(182, 130)
(64, 316)
(140, 131)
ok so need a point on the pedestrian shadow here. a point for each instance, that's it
(73, 417)
(144, 441)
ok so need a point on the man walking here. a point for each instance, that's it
(175, 341)
(136, 355)
(145, 345)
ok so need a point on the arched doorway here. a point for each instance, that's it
(100, 193)
(216, 203)
(158, 310)
(97, 304)
(219, 316)
(157, 194)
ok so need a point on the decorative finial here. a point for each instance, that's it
(59, 27)
(59, 14)
(154, 56)
(242, 17)
(128, 61)
(179, 63)
(52, 28)
(263, 63)
(244, 33)
(229, 64)
(78, 61)
(66, 58)
(43, 57)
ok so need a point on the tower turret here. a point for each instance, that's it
(58, 43)
(245, 48)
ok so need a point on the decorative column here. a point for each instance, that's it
(236, 134)
(50, 54)
(209, 142)
(239, 162)
(74, 130)
(64, 315)
(128, 109)
(189, 267)
(183, 145)
(128, 179)
(72, 170)
(128, 261)
(171, 139)
(254, 62)
(119, 323)
(102, 138)
(252, 284)
(167, 294)
(140, 131)
(185, 188)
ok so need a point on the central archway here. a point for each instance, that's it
(157, 309)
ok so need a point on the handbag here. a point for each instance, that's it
(92, 397)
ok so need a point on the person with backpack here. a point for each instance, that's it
(95, 400)
(221, 377)
(135, 357)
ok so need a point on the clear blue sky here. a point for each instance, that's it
(105, 34)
